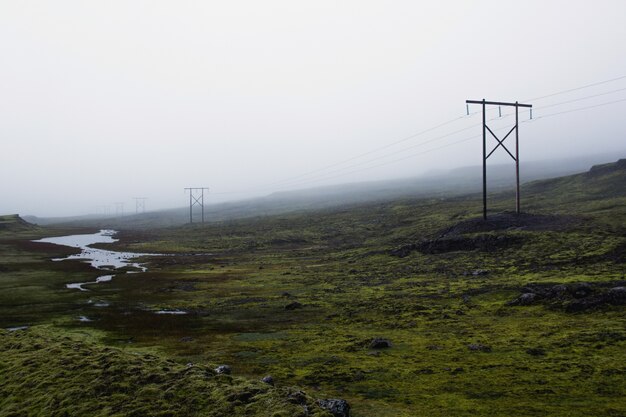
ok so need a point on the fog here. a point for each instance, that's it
(101, 102)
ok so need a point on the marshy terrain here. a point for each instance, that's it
(403, 307)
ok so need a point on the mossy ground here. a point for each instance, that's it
(235, 278)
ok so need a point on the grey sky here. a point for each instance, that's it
(102, 101)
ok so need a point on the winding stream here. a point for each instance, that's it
(102, 259)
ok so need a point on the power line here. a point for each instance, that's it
(292, 179)
(460, 141)
(302, 178)
(392, 153)
(577, 88)
(404, 139)
(581, 108)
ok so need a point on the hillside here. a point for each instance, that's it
(403, 307)
(456, 182)
(13, 224)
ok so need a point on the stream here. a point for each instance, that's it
(106, 260)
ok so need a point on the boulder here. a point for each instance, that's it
(617, 295)
(337, 407)
(379, 343)
(582, 290)
(523, 300)
(268, 380)
(293, 306)
(223, 369)
(477, 347)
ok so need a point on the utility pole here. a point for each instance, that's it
(140, 205)
(196, 197)
(119, 209)
(500, 143)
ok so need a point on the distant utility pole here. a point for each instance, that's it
(500, 143)
(196, 197)
(140, 205)
(119, 209)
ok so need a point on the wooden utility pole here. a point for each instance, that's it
(500, 143)
(196, 197)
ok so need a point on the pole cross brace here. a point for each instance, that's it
(500, 142)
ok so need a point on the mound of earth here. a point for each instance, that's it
(452, 239)
(511, 221)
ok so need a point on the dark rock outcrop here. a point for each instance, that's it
(268, 380)
(293, 306)
(379, 343)
(223, 369)
(478, 347)
(337, 407)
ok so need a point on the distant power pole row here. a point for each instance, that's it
(500, 143)
(140, 205)
(196, 197)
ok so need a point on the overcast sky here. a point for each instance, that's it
(103, 101)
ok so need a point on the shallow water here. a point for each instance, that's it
(98, 258)
(102, 259)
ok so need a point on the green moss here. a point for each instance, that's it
(43, 373)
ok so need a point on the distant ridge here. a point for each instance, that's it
(457, 182)
(14, 223)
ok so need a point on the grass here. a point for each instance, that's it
(235, 279)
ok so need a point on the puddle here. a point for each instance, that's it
(79, 285)
(15, 329)
(175, 312)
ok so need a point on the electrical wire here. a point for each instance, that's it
(389, 145)
(577, 88)
(309, 176)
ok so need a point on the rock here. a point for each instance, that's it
(527, 298)
(293, 306)
(558, 291)
(524, 299)
(403, 251)
(268, 380)
(582, 290)
(337, 407)
(617, 295)
(223, 369)
(297, 397)
(477, 347)
(476, 272)
(536, 351)
(379, 343)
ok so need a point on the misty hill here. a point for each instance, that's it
(459, 181)
(606, 180)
